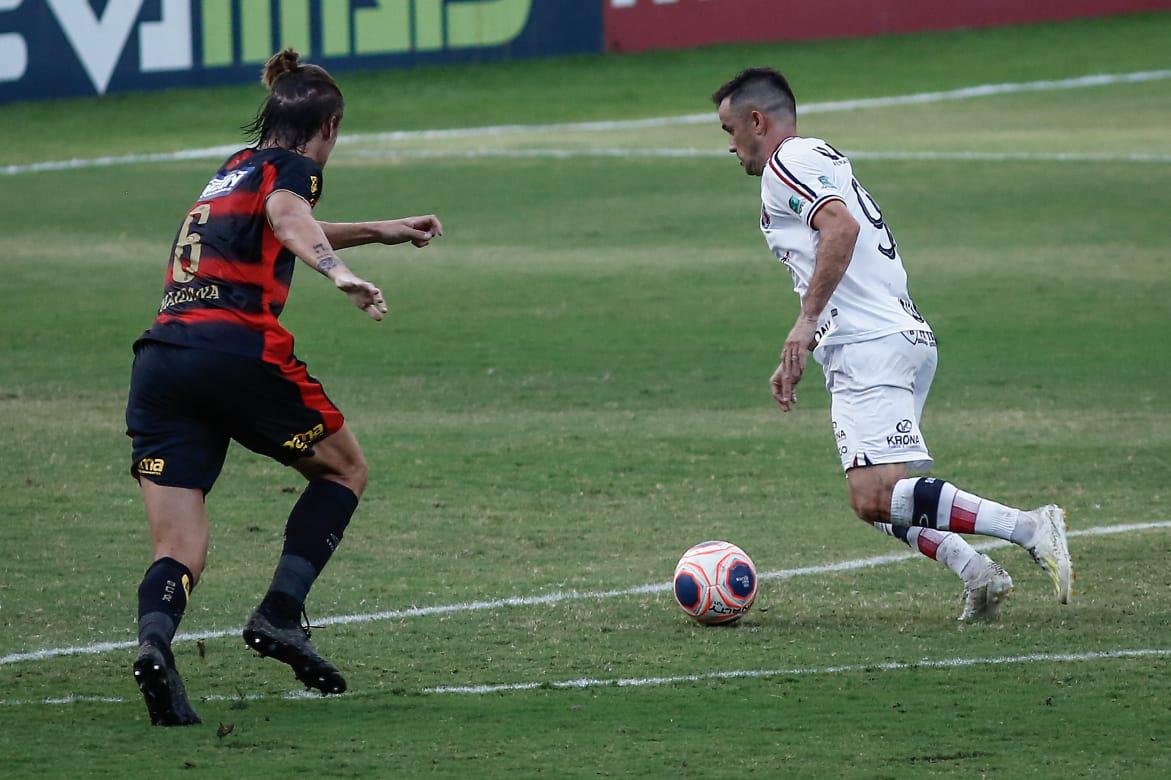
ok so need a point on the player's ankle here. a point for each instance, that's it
(281, 609)
(1025, 529)
(162, 645)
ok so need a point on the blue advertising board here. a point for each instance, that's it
(57, 48)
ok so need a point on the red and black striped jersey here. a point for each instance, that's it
(228, 276)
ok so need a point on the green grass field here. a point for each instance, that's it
(572, 389)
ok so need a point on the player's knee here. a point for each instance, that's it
(357, 474)
(352, 471)
(868, 511)
(345, 465)
(872, 504)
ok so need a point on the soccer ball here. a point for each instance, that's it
(715, 582)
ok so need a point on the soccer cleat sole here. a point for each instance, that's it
(163, 692)
(313, 672)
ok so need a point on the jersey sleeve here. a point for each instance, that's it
(299, 175)
(802, 182)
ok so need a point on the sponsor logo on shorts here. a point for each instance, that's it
(903, 437)
(903, 440)
(152, 466)
(919, 337)
(303, 441)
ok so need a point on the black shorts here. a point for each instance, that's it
(186, 404)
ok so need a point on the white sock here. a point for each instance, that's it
(935, 503)
(952, 550)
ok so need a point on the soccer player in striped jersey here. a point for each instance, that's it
(877, 352)
(216, 365)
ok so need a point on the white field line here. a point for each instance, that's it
(558, 597)
(694, 153)
(965, 93)
(642, 682)
(753, 674)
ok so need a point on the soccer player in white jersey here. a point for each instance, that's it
(877, 351)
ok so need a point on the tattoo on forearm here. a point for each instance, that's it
(327, 264)
(320, 249)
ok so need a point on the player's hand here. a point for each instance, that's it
(362, 294)
(418, 230)
(794, 354)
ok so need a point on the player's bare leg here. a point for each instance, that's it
(986, 583)
(337, 475)
(179, 533)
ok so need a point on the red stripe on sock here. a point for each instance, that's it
(963, 514)
(929, 542)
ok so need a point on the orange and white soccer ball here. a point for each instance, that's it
(715, 582)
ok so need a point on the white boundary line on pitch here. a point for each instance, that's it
(695, 153)
(965, 93)
(556, 597)
(643, 682)
(754, 674)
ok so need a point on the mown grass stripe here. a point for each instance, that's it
(919, 98)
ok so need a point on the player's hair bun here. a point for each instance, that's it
(287, 61)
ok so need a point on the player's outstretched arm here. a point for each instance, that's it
(417, 230)
(839, 233)
(293, 225)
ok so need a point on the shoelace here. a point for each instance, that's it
(308, 626)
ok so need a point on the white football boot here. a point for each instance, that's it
(985, 592)
(1050, 549)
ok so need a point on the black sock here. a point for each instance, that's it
(314, 530)
(162, 600)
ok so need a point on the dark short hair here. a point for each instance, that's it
(301, 98)
(767, 89)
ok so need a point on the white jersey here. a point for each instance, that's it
(871, 300)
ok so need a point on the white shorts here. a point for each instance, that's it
(877, 390)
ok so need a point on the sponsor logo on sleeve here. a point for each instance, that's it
(826, 184)
(796, 204)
